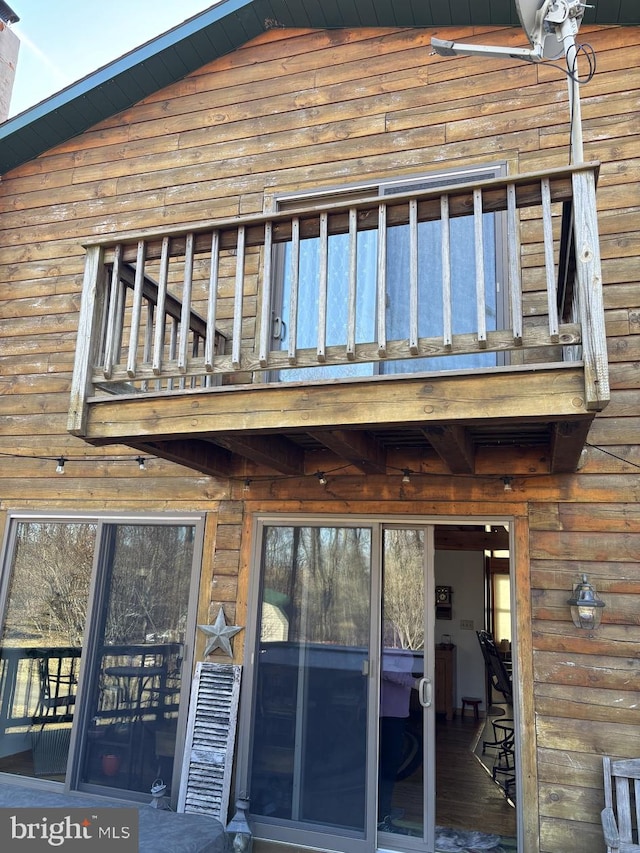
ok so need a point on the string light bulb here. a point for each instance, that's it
(247, 485)
(140, 461)
(321, 478)
(507, 484)
(406, 475)
(60, 465)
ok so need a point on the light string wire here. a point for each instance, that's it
(406, 471)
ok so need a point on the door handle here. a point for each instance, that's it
(279, 329)
(424, 692)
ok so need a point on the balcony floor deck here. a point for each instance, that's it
(283, 427)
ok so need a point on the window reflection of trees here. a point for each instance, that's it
(318, 579)
(49, 585)
(149, 589)
(403, 615)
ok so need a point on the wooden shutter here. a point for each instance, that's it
(208, 757)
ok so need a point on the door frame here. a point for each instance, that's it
(345, 844)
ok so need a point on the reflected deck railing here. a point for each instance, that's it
(23, 692)
(174, 310)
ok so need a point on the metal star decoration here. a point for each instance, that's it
(219, 634)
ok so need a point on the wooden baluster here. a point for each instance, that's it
(323, 283)
(136, 310)
(479, 255)
(148, 338)
(513, 254)
(265, 310)
(236, 349)
(413, 277)
(445, 241)
(158, 341)
(114, 299)
(293, 289)
(353, 283)
(185, 313)
(381, 281)
(173, 347)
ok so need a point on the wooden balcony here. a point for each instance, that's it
(179, 354)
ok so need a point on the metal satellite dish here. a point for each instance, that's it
(531, 14)
(550, 26)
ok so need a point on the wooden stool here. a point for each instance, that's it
(473, 703)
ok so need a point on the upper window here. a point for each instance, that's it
(297, 302)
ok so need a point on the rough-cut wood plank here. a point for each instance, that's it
(551, 393)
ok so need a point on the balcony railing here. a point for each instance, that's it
(171, 311)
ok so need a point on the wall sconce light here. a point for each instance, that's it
(586, 607)
(238, 829)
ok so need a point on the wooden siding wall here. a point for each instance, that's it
(294, 110)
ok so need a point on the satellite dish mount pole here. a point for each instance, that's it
(567, 32)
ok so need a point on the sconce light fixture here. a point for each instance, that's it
(238, 829)
(586, 607)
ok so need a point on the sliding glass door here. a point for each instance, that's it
(47, 579)
(309, 762)
(128, 729)
(96, 616)
(342, 688)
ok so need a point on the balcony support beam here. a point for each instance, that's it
(196, 454)
(272, 451)
(358, 448)
(567, 441)
(453, 446)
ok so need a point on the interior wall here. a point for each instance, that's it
(463, 571)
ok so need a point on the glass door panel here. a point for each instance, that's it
(405, 689)
(44, 622)
(141, 609)
(308, 766)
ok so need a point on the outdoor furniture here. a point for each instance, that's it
(621, 814)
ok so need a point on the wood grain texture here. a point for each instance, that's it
(298, 111)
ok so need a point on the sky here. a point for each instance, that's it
(62, 41)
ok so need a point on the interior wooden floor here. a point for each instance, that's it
(466, 795)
